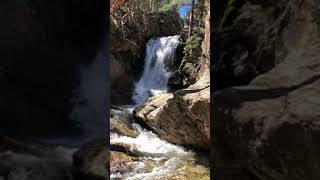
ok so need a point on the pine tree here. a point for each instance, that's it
(191, 19)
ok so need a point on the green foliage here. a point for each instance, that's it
(227, 12)
(172, 4)
(180, 3)
(182, 63)
(165, 8)
(193, 42)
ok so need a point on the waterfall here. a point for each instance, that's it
(159, 52)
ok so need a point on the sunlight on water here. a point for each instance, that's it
(155, 76)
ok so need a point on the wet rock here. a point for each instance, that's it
(120, 162)
(195, 172)
(125, 148)
(123, 128)
(120, 123)
(173, 169)
(91, 161)
(123, 164)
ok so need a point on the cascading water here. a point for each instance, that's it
(159, 52)
(166, 160)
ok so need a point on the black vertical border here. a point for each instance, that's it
(103, 8)
(107, 55)
(106, 19)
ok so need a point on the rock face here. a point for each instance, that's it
(129, 35)
(196, 61)
(120, 123)
(181, 118)
(42, 43)
(271, 127)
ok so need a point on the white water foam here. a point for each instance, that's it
(154, 79)
(149, 144)
(152, 148)
(169, 168)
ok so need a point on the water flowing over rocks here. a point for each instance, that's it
(136, 151)
(271, 126)
(33, 161)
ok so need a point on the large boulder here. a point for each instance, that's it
(182, 118)
(120, 123)
(91, 161)
(271, 127)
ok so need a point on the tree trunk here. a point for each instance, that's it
(191, 19)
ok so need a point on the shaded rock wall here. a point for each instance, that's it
(42, 43)
(250, 42)
(270, 127)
